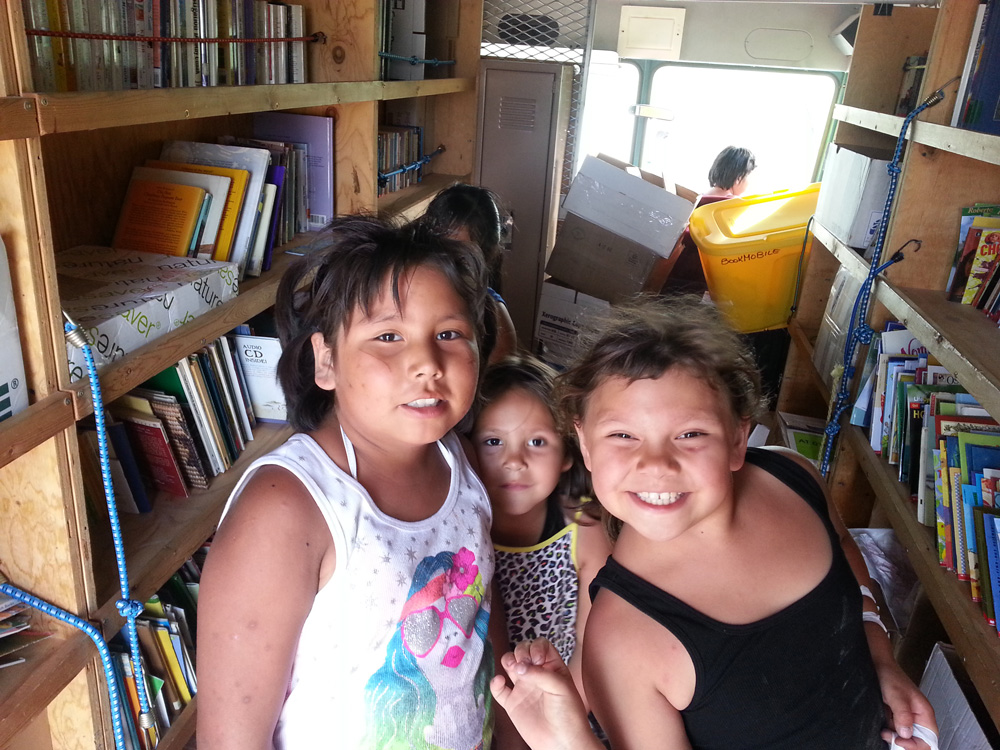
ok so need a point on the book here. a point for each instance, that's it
(237, 369)
(276, 233)
(159, 217)
(230, 438)
(297, 57)
(975, 40)
(982, 112)
(256, 262)
(161, 631)
(241, 402)
(181, 432)
(149, 436)
(317, 132)
(239, 180)
(253, 160)
(230, 399)
(985, 254)
(208, 407)
(989, 561)
(259, 357)
(962, 263)
(118, 438)
(218, 186)
(202, 419)
(157, 666)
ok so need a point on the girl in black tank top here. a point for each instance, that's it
(730, 615)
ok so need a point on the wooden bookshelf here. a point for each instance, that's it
(942, 170)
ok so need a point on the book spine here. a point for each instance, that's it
(43, 64)
(297, 56)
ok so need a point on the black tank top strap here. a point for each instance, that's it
(791, 473)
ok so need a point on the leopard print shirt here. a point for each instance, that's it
(541, 588)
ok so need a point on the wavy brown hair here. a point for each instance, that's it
(646, 338)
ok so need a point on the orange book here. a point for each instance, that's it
(159, 217)
(234, 202)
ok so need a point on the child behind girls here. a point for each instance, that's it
(547, 548)
(345, 600)
(733, 612)
(472, 214)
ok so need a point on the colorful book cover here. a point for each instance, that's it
(253, 160)
(988, 561)
(965, 253)
(159, 217)
(982, 261)
(239, 179)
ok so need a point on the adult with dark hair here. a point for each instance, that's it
(728, 179)
(729, 173)
(471, 213)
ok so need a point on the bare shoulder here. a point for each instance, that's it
(275, 518)
(592, 546)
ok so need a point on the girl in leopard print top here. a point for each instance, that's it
(548, 545)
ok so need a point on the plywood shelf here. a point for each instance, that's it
(68, 112)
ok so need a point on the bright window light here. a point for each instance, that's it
(780, 116)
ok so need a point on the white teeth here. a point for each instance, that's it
(420, 403)
(659, 498)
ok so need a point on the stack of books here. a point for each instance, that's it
(975, 274)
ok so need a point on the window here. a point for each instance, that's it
(780, 115)
(608, 126)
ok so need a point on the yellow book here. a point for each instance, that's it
(170, 659)
(159, 217)
(234, 202)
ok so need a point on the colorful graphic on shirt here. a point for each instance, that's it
(432, 693)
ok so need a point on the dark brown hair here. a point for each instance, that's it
(476, 209)
(646, 338)
(731, 165)
(320, 291)
(534, 377)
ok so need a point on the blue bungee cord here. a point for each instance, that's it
(127, 608)
(859, 331)
(414, 60)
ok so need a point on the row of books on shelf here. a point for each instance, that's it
(167, 633)
(977, 102)
(398, 146)
(235, 200)
(975, 274)
(946, 450)
(88, 64)
(186, 424)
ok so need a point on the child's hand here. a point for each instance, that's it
(543, 702)
(905, 706)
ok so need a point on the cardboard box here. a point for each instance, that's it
(852, 194)
(563, 315)
(123, 299)
(942, 683)
(619, 231)
(13, 388)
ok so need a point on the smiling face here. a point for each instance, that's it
(521, 454)
(403, 375)
(662, 451)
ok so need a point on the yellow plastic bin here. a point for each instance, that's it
(749, 248)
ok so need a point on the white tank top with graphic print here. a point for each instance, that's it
(393, 652)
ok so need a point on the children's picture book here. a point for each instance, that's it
(159, 217)
(982, 262)
(962, 263)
